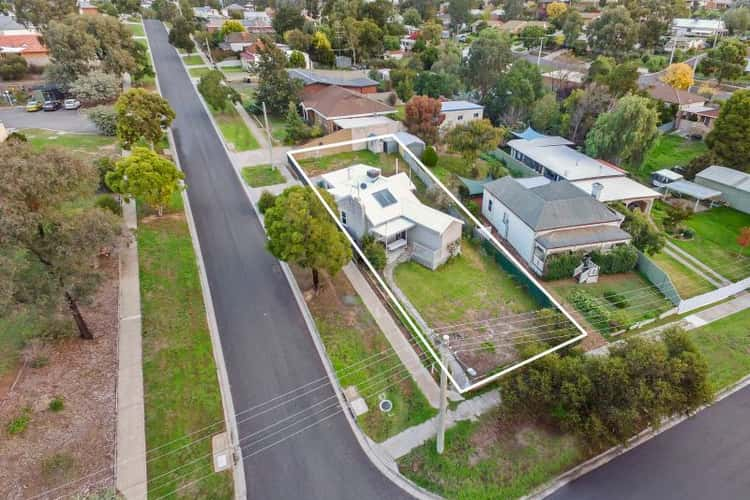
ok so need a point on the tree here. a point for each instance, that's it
(53, 238)
(287, 18)
(431, 32)
(12, 67)
(402, 81)
(296, 129)
(679, 76)
(513, 9)
(473, 138)
(613, 33)
(297, 59)
(365, 37)
(300, 231)
(377, 11)
(424, 117)
(556, 9)
(725, 62)
(179, 35)
(545, 115)
(622, 79)
(459, 12)
(321, 50)
(275, 87)
(436, 84)
(571, 24)
(148, 176)
(489, 57)
(142, 115)
(510, 101)
(298, 40)
(581, 108)
(231, 26)
(646, 237)
(532, 36)
(743, 239)
(127, 6)
(412, 17)
(737, 20)
(729, 140)
(96, 88)
(166, 10)
(623, 134)
(105, 120)
(39, 13)
(600, 68)
(217, 95)
(430, 156)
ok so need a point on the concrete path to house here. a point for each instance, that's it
(711, 278)
(691, 322)
(697, 263)
(413, 437)
(258, 156)
(392, 332)
(130, 461)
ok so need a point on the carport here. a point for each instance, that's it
(692, 190)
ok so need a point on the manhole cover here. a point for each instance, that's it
(385, 406)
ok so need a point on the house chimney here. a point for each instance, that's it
(373, 174)
(596, 190)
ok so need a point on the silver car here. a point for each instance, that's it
(72, 104)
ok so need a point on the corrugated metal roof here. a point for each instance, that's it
(309, 77)
(582, 237)
(458, 106)
(617, 189)
(727, 176)
(692, 189)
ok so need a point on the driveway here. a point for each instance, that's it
(267, 347)
(66, 121)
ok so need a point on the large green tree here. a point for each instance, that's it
(179, 35)
(287, 18)
(473, 138)
(489, 56)
(623, 134)
(300, 231)
(581, 109)
(39, 13)
(275, 87)
(142, 115)
(217, 95)
(545, 114)
(146, 175)
(729, 140)
(613, 33)
(646, 237)
(726, 61)
(364, 37)
(514, 93)
(50, 239)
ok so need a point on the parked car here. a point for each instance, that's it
(51, 105)
(72, 104)
(33, 105)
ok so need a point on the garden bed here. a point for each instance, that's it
(262, 175)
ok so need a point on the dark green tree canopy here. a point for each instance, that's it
(275, 87)
(729, 140)
(142, 115)
(215, 92)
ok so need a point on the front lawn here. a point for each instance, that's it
(726, 346)
(90, 144)
(262, 175)
(234, 130)
(386, 162)
(715, 242)
(687, 282)
(136, 29)
(198, 72)
(352, 337)
(181, 390)
(669, 151)
(193, 60)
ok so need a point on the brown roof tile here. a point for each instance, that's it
(334, 101)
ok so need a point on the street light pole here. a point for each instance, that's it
(443, 396)
(268, 134)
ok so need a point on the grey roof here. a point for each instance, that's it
(551, 206)
(308, 77)
(582, 237)
(459, 106)
(692, 190)
(726, 176)
(7, 23)
(406, 138)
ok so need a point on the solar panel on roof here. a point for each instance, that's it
(384, 197)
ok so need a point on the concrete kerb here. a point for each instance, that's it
(238, 471)
(602, 459)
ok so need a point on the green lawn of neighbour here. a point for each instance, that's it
(278, 128)
(490, 459)
(234, 130)
(470, 286)
(669, 151)
(687, 282)
(193, 60)
(386, 162)
(726, 346)
(198, 72)
(136, 29)
(351, 336)
(90, 144)
(179, 375)
(400, 113)
(262, 175)
(715, 242)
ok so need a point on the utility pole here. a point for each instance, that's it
(268, 134)
(443, 396)
(539, 57)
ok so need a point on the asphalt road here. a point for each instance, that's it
(267, 348)
(705, 457)
(66, 121)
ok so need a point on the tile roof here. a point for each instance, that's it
(335, 102)
(669, 94)
(31, 44)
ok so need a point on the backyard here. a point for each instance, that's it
(235, 132)
(386, 162)
(262, 175)
(687, 282)
(351, 336)
(668, 151)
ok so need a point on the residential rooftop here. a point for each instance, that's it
(309, 77)
(726, 176)
(338, 102)
(447, 106)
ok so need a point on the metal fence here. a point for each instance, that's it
(713, 296)
(658, 278)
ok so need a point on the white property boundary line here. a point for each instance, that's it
(389, 292)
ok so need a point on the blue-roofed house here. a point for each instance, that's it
(529, 134)
(460, 112)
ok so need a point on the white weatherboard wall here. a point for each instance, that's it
(461, 117)
(518, 234)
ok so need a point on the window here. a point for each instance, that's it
(489, 206)
(460, 117)
(343, 217)
(476, 115)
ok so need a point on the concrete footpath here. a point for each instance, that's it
(702, 268)
(130, 450)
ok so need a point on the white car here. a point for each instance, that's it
(72, 104)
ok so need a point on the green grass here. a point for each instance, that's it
(715, 242)
(179, 375)
(725, 344)
(91, 144)
(351, 336)
(489, 459)
(278, 128)
(198, 72)
(193, 60)
(470, 286)
(669, 151)
(262, 175)
(400, 114)
(687, 282)
(386, 162)
(234, 130)
(136, 29)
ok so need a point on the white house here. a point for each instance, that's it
(698, 28)
(387, 209)
(460, 112)
(540, 218)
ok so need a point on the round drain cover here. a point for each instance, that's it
(385, 406)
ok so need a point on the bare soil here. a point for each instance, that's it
(76, 443)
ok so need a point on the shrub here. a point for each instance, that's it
(375, 253)
(616, 299)
(105, 119)
(474, 208)
(430, 156)
(107, 202)
(392, 99)
(57, 404)
(266, 201)
(19, 424)
(96, 87)
(13, 67)
(620, 259)
(561, 266)
(104, 165)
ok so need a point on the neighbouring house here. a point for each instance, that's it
(249, 56)
(205, 12)
(563, 81)
(387, 209)
(233, 10)
(698, 28)
(698, 120)
(554, 158)
(324, 105)
(349, 80)
(238, 41)
(540, 218)
(733, 184)
(688, 106)
(9, 26)
(460, 112)
(29, 47)
(673, 184)
(258, 23)
(86, 8)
